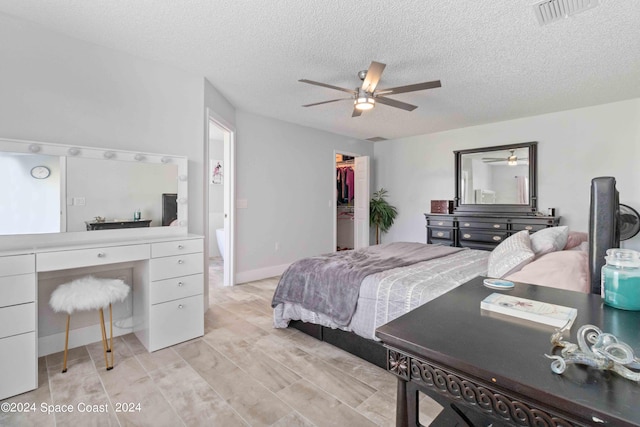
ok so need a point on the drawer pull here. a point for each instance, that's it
(528, 227)
(180, 306)
(497, 238)
(180, 261)
(466, 236)
(466, 224)
(496, 225)
(180, 284)
(439, 234)
(440, 223)
(180, 247)
(101, 255)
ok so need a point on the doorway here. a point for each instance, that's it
(219, 193)
(351, 201)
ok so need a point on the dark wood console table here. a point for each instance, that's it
(110, 225)
(485, 368)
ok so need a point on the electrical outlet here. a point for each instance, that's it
(79, 201)
(277, 246)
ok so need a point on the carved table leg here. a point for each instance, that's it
(402, 419)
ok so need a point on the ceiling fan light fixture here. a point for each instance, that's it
(512, 161)
(364, 103)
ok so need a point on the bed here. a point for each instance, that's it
(343, 297)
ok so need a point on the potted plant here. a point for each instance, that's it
(381, 213)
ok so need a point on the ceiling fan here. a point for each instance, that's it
(511, 159)
(366, 96)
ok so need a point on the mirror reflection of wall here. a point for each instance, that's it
(31, 203)
(116, 190)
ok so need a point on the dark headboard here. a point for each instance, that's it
(604, 232)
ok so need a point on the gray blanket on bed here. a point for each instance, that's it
(330, 283)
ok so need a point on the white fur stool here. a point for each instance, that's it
(89, 293)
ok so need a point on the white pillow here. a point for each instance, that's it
(511, 255)
(550, 239)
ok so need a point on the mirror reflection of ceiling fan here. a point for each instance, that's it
(511, 159)
(366, 96)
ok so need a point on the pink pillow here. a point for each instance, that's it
(563, 270)
(575, 238)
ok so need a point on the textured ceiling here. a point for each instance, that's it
(494, 60)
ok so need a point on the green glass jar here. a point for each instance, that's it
(621, 279)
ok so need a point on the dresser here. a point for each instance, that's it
(168, 296)
(481, 231)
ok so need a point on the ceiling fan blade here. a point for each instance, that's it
(325, 102)
(394, 103)
(356, 112)
(494, 160)
(311, 82)
(410, 88)
(373, 76)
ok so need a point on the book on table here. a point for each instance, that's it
(536, 311)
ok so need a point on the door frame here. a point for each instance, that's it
(229, 194)
(333, 196)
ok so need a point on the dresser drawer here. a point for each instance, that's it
(175, 266)
(437, 222)
(473, 223)
(18, 364)
(530, 227)
(61, 260)
(176, 321)
(17, 289)
(440, 233)
(176, 288)
(17, 264)
(177, 247)
(479, 236)
(17, 319)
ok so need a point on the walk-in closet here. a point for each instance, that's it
(345, 194)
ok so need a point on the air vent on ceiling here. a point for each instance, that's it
(549, 11)
(376, 139)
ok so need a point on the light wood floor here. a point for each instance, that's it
(241, 373)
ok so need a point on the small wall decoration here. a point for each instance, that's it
(216, 171)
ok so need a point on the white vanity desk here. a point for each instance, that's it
(168, 286)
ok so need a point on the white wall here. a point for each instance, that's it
(286, 174)
(573, 147)
(59, 89)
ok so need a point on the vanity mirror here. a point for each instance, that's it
(52, 188)
(497, 179)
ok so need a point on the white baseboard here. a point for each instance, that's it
(82, 336)
(260, 273)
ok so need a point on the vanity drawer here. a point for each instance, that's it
(175, 266)
(176, 288)
(474, 223)
(18, 289)
(60, 260)
(176, 321)
(482, 237)
(18, 364)
(177, 247)
(17, 264)
(17, 319)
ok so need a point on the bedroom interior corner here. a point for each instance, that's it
(237, 374)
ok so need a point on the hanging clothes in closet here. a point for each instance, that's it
(345, 181)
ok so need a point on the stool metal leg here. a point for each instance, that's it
(66, 346)
(104, 340)
(111, 334)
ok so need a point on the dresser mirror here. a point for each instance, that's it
(54, 188)
(497, 179)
